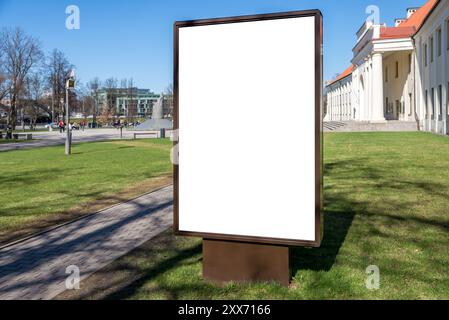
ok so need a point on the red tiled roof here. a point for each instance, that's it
(345, 73)
(418, 18)
(410, 26)
(406, 29)
(396, 32)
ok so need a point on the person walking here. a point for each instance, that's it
(61, 126)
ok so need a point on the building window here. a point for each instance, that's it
(386, 106)
(447, 99)
(410, 99)
(389, 107)
(439, 42)
(425, 55)
(397, 69)
(432, 45)
(432, 98)
(409, 63)
(386, 74)
(426, 104)
(398, 108)
(440, 101)
(447, 34)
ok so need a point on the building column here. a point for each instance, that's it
(377, 114)
(326, 118)
(348, 90)
(336, 105)
(331, 108)
(345, 99)
(350, 102)
(339, 103)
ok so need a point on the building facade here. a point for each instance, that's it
(124, 100)
(398, 73)
(432, 70)
(338, 98)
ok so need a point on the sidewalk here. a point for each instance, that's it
(50, 139)
(36, 268)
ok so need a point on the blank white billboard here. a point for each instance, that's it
(247, 107)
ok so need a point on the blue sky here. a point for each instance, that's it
(133, 38)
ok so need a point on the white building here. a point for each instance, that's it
(398, 73)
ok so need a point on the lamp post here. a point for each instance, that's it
(70, 85)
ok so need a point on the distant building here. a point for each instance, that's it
(127, 101)
(398, 73)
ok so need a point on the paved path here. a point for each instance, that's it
(48, 139)
(36, 268)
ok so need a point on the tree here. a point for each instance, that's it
(88, 105)
(4, 89)
(59, 69)
(94, 88)
(111, 96)
(20, 54)
(34, 93)
(105, 116)
(168, 102)
(82, 95)
(123, 92)
(132, 105)
(169, 90)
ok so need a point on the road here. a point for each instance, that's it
(47, 139)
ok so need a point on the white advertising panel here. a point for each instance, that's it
(247, 100)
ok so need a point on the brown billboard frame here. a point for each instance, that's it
(318, 127)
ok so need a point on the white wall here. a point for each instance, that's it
(414, 83)
(435, 73)
(339, 100)
(399, 88)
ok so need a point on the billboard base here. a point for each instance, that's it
(226, 261)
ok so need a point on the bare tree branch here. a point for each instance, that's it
(20, 53)
(58, 69)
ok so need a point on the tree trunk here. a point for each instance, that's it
(12, 116)
(33, 122)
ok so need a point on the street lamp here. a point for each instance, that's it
(70, 85)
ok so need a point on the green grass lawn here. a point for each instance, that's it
(42, 187)
(386, 204)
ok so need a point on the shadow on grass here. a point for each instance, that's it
(133, 287)
(369, 188)
(341, 208)
(336, 227)
(337, 216)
